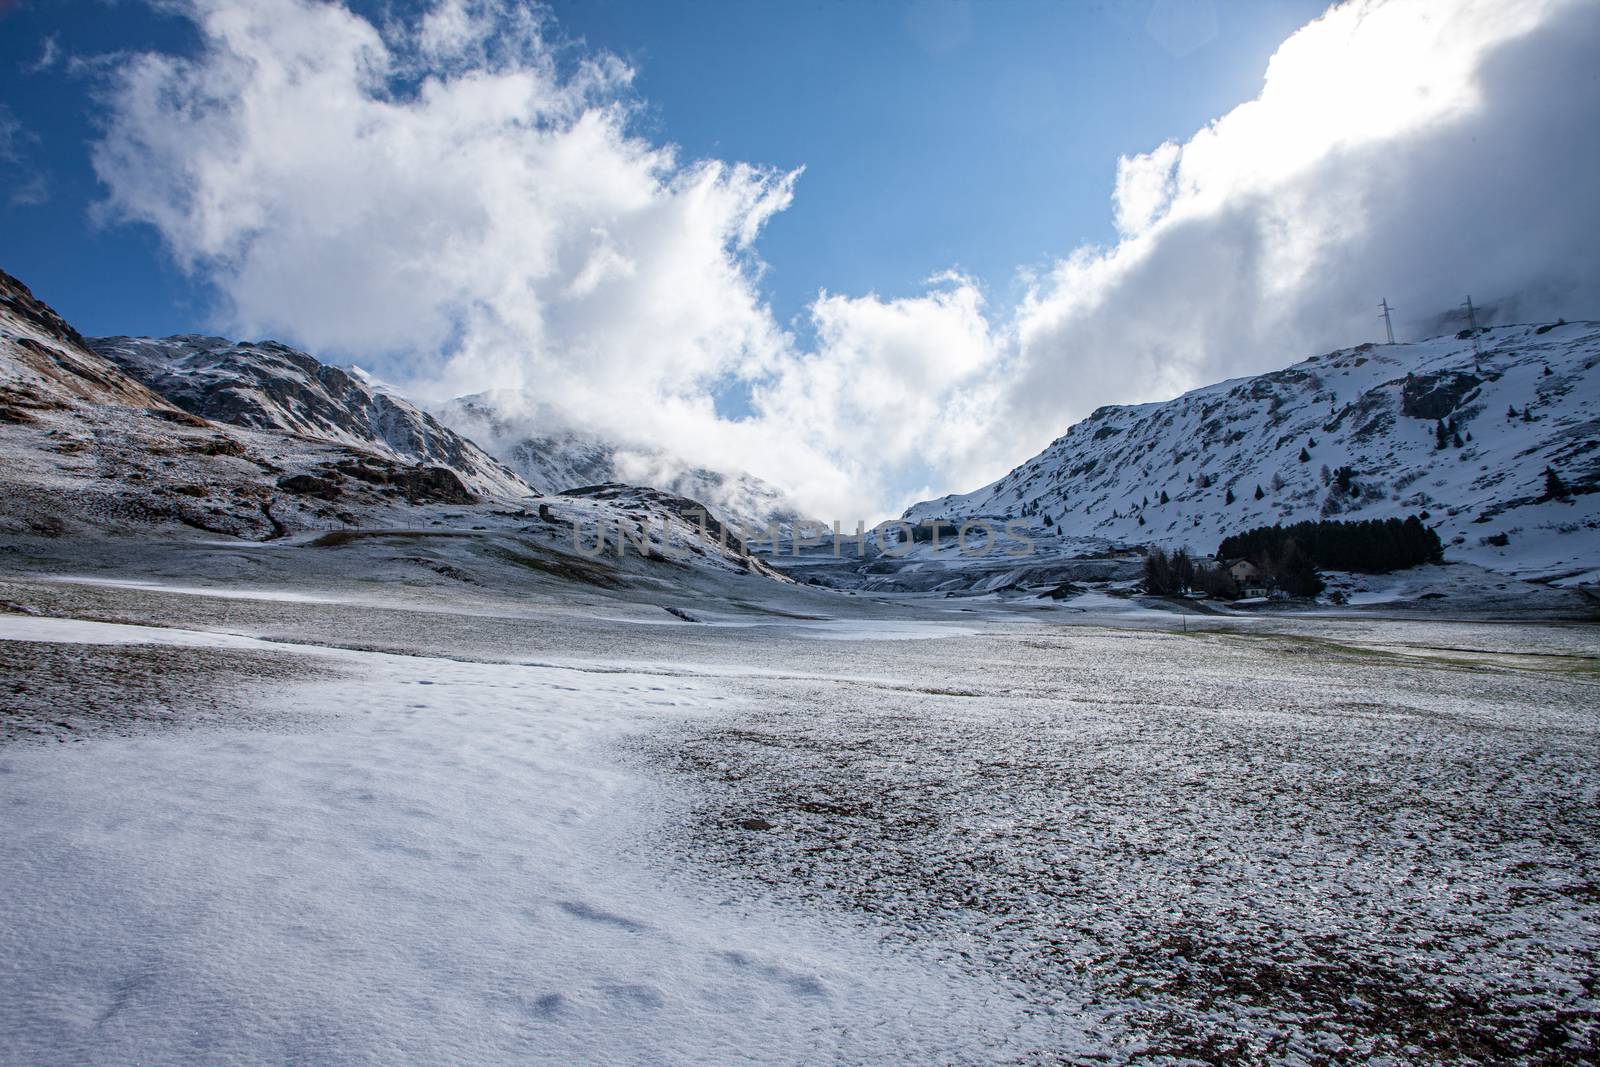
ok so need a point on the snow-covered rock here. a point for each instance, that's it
(1459, 429)
(270, 386)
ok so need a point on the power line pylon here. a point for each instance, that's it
(1472, 327)
(1388, 327)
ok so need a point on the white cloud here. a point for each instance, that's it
(898, 389)
(49, 56)
(463, 205)
(1404, 148)
(11, 133)
(343, 188)
(455, 29)
(1146, 187)
(439, 202)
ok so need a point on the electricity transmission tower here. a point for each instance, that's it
(1388, 327)
(1472, 326)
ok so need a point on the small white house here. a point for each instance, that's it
(1244, 571)
(1252, 581)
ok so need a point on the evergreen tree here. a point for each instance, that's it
(1157, 572)
(1373, 546)
(1294, 571)
(1183, 570)
(1511, 411)
(1164, 498)
(1229, 498)
(1554, 487)
(1455, 440)
(1166, 575)
(1441, 436)
(1259, 493)
(1305, 457)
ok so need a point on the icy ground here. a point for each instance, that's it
(349, 821)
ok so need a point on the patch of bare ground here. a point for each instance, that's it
(60, 693)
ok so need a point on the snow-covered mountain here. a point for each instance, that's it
(90, 449)
(555, 460)
(270, 386)
(262, 443)
(1460, 429)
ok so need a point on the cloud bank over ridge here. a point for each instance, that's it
(460, 203)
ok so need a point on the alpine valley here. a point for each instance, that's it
(340, 729)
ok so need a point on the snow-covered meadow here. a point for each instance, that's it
(428, 860)
(371, 827)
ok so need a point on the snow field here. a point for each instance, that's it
(451, 867)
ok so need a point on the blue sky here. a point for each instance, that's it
(872, 252)
(932, 134)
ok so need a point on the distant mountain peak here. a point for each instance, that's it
(553, 457)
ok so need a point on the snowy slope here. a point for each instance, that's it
(47, 367)
(268, 385)
(90, 451)
(1373, 408)
(553, 460)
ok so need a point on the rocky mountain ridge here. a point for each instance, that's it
(270, 386)
(1460, 430)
